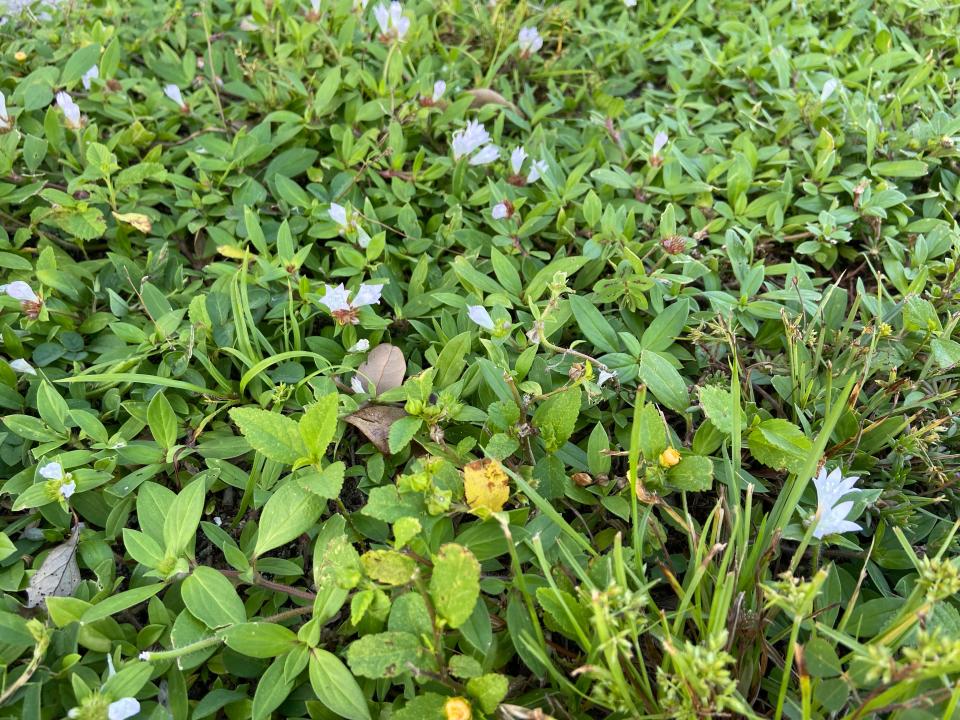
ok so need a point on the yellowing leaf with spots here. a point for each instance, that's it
(485, 485)
(137, 220)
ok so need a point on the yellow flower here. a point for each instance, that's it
(669, 457)
(20, 56)
(457, 708)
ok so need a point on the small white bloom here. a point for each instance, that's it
(367, 295)
(315, 6)
(393, 24)
(439, 88)
(71, 111)
(516, 159)
(19, 290)
(89, 76)
(52, 471)
(831, 488)
(363, 240)
(487, 155)
(360, 346)
(469, 139)
(537, 169)
(248, 25)
(828, 89)
(145, 655)
(173, 92)
(529, 41)
(659, 142)
(4, 118)
(338, 213)
(499, 211)
(67, 489)
(630, 3)
(22, 366)
(480, 316)
(335, 298)
(123, 708)
(356, 384)
(605, 376)
(217, 520)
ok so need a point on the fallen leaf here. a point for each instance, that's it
(137, 220)
(486, 96)
(374, 421)
(383, 369)
(58, 575)
(485, 485)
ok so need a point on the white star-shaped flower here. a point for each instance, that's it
(19, 290)
(516, 159)
(480, 316)
(89, 76)
(173, 92)
(831, 512)
(70, 110)
(529, 41)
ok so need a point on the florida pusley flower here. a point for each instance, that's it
(62, 482)
(30, 303)
(480, 315)
(22, 366)
(659, 142)
(173, 92)
(348, 220)
(359, 346)
(99, 706)
(502, 210)
(89, 76)
(529, 41)
(831, 516)
(517, 158)
(70, 110)
(439, 88)
(474, 137)
(342, 308)
(6, 122)
(393, 23)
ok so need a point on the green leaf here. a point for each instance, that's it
(663, 381)
(595, 327)
(388, 567)
(556, 418)
(335, 687)
(900, 168)
(183, 517)
(780, 444)
(319, 424)
(275, 436)
(717, 404)
(653, 433)
(489, 690)
(259, 639)
(272, 689)
(384, 655)
(289, 512)
(162, 421)
(212, 599)
(455, 583)
(121, 601)
(402, 432)
(694, 473)
(666, 327)
(324, 484)
(7, 548)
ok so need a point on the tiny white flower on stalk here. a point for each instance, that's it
(356, 384)
(516, 159)
(537, 169)
(22, 366)
(480, 316)
(469, 139)
(831, 512)
(19, 290)
(500, 211)
(360, 346)
(70, 110)
(337, 300)
(486, 155)
(173, 92)
(660, 142)
(89, 76)
(393, 24)
(529, 41)
(605, 376)
(6, 122)
(439, 88)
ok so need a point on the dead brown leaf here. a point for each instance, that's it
(383, 369)
(58, 575)
(486, 96)
(374, 421)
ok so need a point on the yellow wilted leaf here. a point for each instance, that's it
(485, 485)
(137, 220)
(233, 252)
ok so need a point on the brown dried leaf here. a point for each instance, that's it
(486, 96)
(58, 575)
(374, 421)
(384, 369)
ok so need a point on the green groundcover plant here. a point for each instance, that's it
(465, 359)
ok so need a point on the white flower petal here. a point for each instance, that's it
(19, 290)
(338, 213)
(828, 89)
(537, 169)
(487, 155)
(516, 159)
(382, 16)
(70, 110)
(439, 88)
(367, 295)
(480, 316)
(22, 366)
(67, 489)
(335, 298)
(499, 211)
(173, 92)
(3, 108)
(659, 142)
(605, 376)
(356, 384)
(360, 346)
(89, 76)
(123, 708)
(529, 40)
(51, 471)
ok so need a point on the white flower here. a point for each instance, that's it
(123, 708)
(217, 520)
(315, 6)
(89, 76)
(344, 310)
(67, 489)
(516, 159)
(5, 121)
(356, 384)
(393, 24)
(500, 211)
(605, 376)
(111, 670)
(828, 88)
(22, 366)
(439, 88)
(831, 512)
(486, 155)
(537, 168)
(469, 139)
(19, 290)
(173, 92)
(367, 295)
(145, 656)
(71, 112)
(659, 142)
(360, 346)
(529, 41)
(630, 3)
(338, 213)
(480, 316)
(52, 471)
